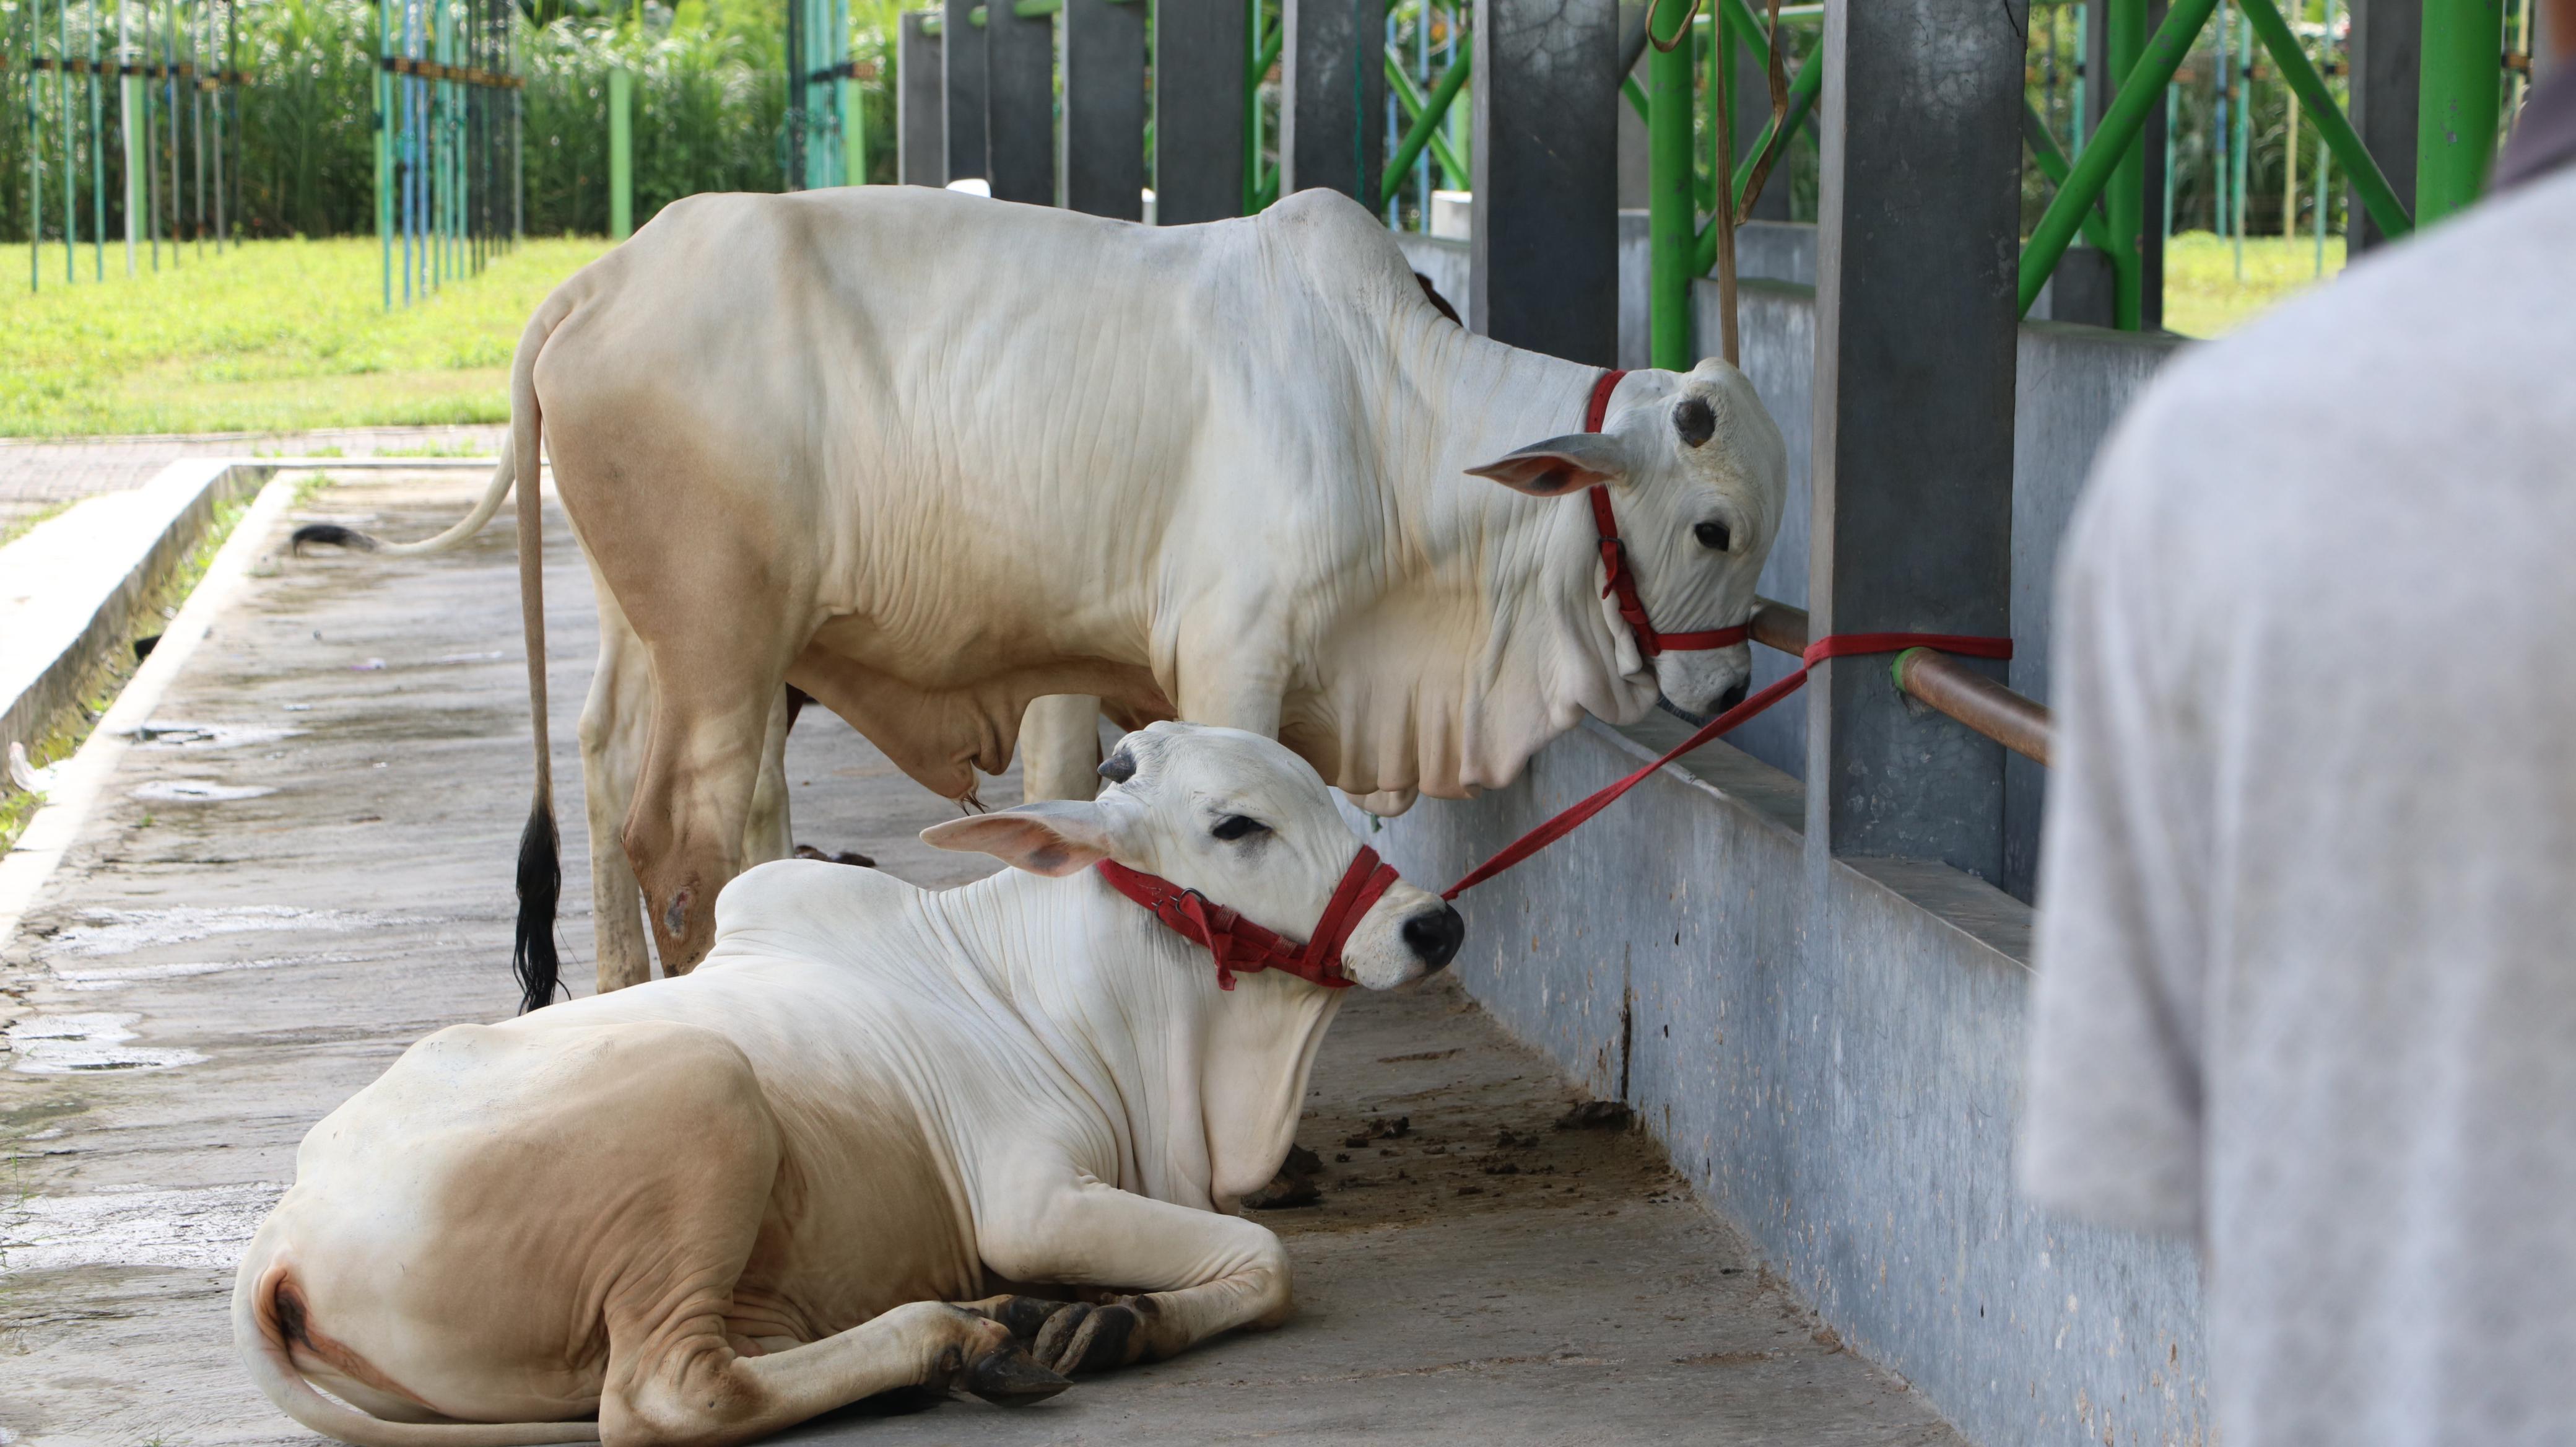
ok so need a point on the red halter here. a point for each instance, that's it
(1614, 559)
(1239, 944)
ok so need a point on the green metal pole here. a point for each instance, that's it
(2376, 194)
(1670, 222)
(621, 154)
(2053, 164)
(1428, 113)
(2463, 81)
(1802, 103)
(2141, 88)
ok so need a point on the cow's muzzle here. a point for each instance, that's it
(1434, 936)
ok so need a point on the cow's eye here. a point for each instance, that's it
(1713, 536)
(1237, 826)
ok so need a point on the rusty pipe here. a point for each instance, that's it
(1951, 686)
(1938, 680)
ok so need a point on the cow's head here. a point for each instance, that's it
(1236, 817)
(1697, 477)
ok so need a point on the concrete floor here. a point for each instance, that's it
(265, 911)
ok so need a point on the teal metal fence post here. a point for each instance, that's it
(621, 154)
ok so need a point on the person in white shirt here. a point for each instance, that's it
(2306, 944)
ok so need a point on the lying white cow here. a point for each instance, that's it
(709, 1207)
(929, 457)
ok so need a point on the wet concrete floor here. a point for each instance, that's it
(308, 866)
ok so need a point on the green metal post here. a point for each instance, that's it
(2463, 82)
(1670, 221)
(385, 150)
(2141, 88)
(621, 154)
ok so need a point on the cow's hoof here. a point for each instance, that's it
(1008, 1377)
(1026, 1316)
(1089, 1339)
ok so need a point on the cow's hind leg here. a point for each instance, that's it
(613, 732)
(696, 1390)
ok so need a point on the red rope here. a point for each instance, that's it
(1841, 645)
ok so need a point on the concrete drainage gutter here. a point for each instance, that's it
(70, 589)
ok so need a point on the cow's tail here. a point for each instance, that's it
(486, 507)
(532, 951)
(260, 1336)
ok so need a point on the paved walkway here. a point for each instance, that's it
(39, 475)
(268, 907)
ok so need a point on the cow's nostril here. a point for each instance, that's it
(1434, 936)
(1733, 696)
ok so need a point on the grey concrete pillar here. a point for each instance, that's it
(1201, 53)
(2387, 79)
(1104, 107)
(920, 126)
(1912, 463)
(1634, 149)
(1332, 98)
(1544, 272)
(1019, 106)
(961, 71)
(2151, 260)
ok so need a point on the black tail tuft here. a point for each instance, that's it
(540, 886)
(331, 533)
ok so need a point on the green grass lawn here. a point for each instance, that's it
(273, 336)
(285, 336)
(2203, 298)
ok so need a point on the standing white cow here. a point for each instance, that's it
(928, 457)
(710, 1207)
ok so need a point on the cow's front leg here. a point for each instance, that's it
(1060, 747)
(770, 833)
(1197, 1274)
(685, 828)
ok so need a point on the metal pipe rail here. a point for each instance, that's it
(1934, 679)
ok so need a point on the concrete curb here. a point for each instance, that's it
(70, 588)
(24, 869)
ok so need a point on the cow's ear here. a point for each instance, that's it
(1558, 466)
(1056, 837)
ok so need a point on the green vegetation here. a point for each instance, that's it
(2203, 298)
(710, 97)
(273, 336)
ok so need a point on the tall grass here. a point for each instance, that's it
(710, 96)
